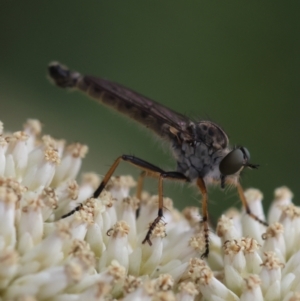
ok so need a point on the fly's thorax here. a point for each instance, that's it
(201, 156)
(198, 159)
(211, 134)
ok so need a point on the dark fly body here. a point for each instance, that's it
(201, 149)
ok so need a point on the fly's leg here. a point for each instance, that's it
(245, 204)
(100, 187)
(148, 170)
(201, 185)
(139, 190)
(171, 175)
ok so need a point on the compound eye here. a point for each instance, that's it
(233, 161)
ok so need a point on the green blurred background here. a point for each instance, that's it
(233, 62)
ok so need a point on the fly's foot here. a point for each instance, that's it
(154, 226)
(77, 208)
(205, 230)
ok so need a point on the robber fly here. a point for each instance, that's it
(201, 148)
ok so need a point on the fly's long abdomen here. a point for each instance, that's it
(127, 107)
(138, 107)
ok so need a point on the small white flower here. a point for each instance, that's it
(97, 253)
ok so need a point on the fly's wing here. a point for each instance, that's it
(151, 114)
(160, 119)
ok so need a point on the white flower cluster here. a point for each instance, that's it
(97, 253)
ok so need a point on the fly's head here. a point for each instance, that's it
(225, 163)
(234, 162)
